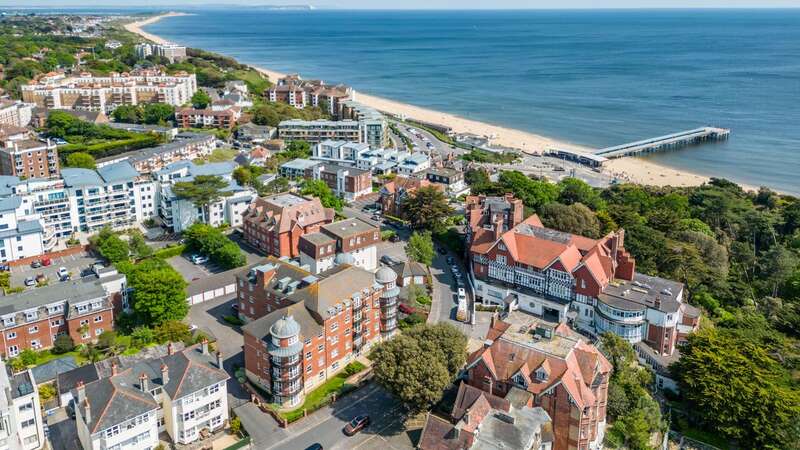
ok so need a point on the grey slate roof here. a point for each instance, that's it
(121, 171)
(336, 285)
(21, 384)
(51, 370)
(114, 400)
(75, 291)
(68, 380)
(10, 203)
(74, 177)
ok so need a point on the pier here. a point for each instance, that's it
(668, 142)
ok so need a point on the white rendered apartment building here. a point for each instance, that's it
(183, 394)
(350, 241)
(179, 214)
(21, 424)
(15, 113)
(339, 152)
(91, 93)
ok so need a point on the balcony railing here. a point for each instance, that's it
(283, 362)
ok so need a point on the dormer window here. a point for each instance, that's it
(8, 321)
(501, 246)
(31, 316)
(520, 380)
(541, 374)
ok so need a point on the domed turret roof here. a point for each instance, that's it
(385, 275)
(285, 327)
(345, 258)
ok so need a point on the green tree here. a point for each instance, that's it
(115, 249)
(158, 113)
(127, 114)
(142, 336)
(173, 331)
(574, 190)
(243, 176)
(420, 248)
(323, 192)
(159, 292)
(533, 193)
(733, 374)
(575, 218)
(204, 191)
(426, 209)
(138, 245)
(63, 344)
(201, 99)
(410, 371)
(445, 341)
(81, 160)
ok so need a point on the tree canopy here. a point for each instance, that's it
(159, 291)
(201, 99)
(203, 191)
(323, 192)
(426, 209)
(420, 248)
(81, 160)
(419, 364)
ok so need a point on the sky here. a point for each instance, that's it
(430, 4)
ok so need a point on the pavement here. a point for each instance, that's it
(386, 430)
(73, 263)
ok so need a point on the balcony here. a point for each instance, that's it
(286, 374)
(282, 390)
(284, 362)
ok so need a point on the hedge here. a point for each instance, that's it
(105, 149)
(171, 251)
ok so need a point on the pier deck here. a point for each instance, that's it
(668, 142)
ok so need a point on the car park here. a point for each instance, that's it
(357, 424)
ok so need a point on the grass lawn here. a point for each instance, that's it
(706, 437)
(218, 155)
(45, 356)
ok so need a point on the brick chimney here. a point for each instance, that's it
(114, 369)
(81, 389)
(204, 346)
(87, 412)
(219, 360)
(170, 349)
(143, 384)
(164, 374)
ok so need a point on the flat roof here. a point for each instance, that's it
(643, 292)
(522, 330)
(348, 227)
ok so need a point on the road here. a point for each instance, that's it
(386, 430)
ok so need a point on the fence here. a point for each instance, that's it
(66, 252)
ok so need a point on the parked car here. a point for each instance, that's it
(35, 264)
(4, 267)
(41, 278)
(63, 273)
(30, 281)
(316, 446)
(357, 424)
(46, 261)
(394, 238)
(388, 260)
(199, 259)
(405, 309)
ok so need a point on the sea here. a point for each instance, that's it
(592, 77)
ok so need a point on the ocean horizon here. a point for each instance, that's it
(591, 77)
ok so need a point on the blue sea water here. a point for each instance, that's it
(597, 78)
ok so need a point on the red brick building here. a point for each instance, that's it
(523, 265)
(394, 192)
(565, 376)
(82, 309)
(207, 118)
(329, 320)
(274, 224)
(23, 156)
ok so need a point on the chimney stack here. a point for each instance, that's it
(164, 374)
(114, 369)
(204, 346)
(169, 348)
(219, 360)
(143, 382)
(87, 412)
(81, 391)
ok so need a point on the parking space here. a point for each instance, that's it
(193, 272)
(63, 432)
(73, 263)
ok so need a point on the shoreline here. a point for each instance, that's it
(629, 169)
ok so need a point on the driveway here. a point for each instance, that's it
(444, 306)
(386, 430)
(208, 317)
(63, 431)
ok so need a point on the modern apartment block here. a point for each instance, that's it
(172, 52)
(22, 235)
(208, 118)
(15, 113)
(315, 131)
(301, 93)
(350, 241)
(178, 214)
(348, 183)
(182, 393)
(20, 416)
(560, 277)
(374, 127)
(317, 328)
(88, 92)
(22, 155)
(556, 370)
(339, 152)
(186, 146)
(82, 308)
(275, 225)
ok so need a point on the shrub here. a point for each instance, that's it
(236, 425)
(63, 344)
(28, 357)
(142, 336)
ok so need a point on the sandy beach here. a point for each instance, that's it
(636, 170)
